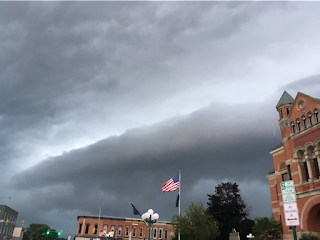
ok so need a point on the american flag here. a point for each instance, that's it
(171, 185)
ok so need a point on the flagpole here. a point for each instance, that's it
(179, 197)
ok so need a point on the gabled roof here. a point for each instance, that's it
(316, 99)
(285, 98)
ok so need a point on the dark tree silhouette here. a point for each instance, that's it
(37, 231)
(230, 210)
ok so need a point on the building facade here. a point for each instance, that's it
(297, 158)
(18, 233)
(122, 228)
(8, 218)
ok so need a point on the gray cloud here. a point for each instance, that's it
(102, 102)
(204, 145)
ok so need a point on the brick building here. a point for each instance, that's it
(87, 228)
(297, 158)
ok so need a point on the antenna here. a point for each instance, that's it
(274, 133)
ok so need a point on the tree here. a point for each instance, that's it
(230, 210)
(267, 228)
(196, 224)
(309, 236)
(37, 231)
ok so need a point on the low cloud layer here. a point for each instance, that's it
(131, 167)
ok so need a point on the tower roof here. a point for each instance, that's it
(285, 98)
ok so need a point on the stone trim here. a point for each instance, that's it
(304, 208)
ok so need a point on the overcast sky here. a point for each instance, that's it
(102, 102)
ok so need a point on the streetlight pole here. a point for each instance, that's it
(98, 223)
(150, 218)
(5, 197)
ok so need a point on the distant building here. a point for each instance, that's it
(18, 233)
(297, 158)
(87, 228)
(8, 218)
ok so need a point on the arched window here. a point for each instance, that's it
(119, 230)
(287, 111)
(304, 120)
(293, 128)
(310, 119)
(283, 166)
(299, 125)
(281, 115)
(316, 113)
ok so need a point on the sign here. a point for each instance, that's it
(291, 214)
(288, 192)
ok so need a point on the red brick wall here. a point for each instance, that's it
(124, 223)
(305, 192)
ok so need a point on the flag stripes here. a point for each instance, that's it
(171, 185)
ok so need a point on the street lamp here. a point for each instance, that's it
(250, 236)
(69, 235)
(109, 235)
(150, 218)
(98, 223)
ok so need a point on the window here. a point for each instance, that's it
(166, 234)
(96, 228)
(87, 228)
(141, 231)
(317, 115)
(80, 227)
(310, 119)
(306, 170)
(155, 233)
(134, 231)
(119, 230)
(293, 128)
(281, 115)
(304, 120)
(287, 111)
(160, 233)
(127, 231)
(105, 228)
(289, 172)
(299, 125)
(316, 165)
(285, 177)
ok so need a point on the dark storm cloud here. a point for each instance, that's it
(303, 85)
(73, 73)
(57, 56)
(212, 143)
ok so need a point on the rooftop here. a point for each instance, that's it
(285, 99)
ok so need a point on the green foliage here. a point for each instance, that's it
(308, 236)
(230, 210)
(37, 231)
(196, 224)
(267, 229)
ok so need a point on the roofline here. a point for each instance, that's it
(272, 152)
(103, 217)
